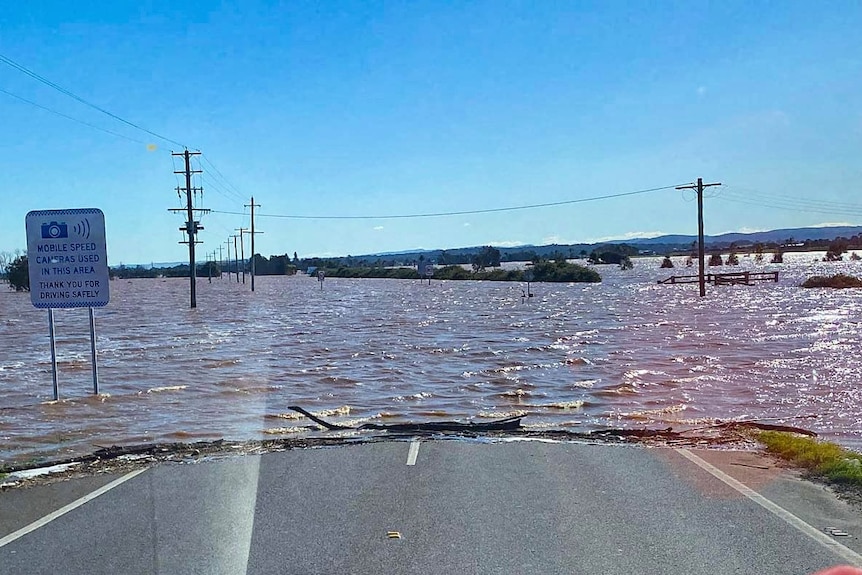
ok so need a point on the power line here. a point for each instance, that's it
(62, 115)
(224, 179)
(455, 213)
(791, 203)
(62, 90)
(790, 200)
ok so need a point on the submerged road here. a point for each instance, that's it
(454, 507)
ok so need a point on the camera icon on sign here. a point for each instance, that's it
(54, 230)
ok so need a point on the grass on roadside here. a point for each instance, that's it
(822, 458)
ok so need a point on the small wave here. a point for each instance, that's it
(336, 380)
(101, 398)
(650, 414)
(284, 430)
(622, 389)
(253, 389)
(343, 410)
(12, 366)
(217, 363)
(639, 373)
(293, 415)
(65, 401)
(501, 414)
(415, 397)
(586, 384)
(515, 393)
(566, 404)
(510, 368)
(550, 425)
(164, 388)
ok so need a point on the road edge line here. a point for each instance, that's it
(67, 508)
(413, 452)
(844, 552)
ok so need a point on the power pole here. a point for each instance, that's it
(191, 228)
(220, 260)
(235, 256)
(252, 205)
(700, 247)
(228, 257)
(242, 250)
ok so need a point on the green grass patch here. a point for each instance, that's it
(822, 458)
(836, 281)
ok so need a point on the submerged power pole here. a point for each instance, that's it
(228, 257)
(700, 248)
(192, 226)
(242, 231)
(235, 256)
(252, 205)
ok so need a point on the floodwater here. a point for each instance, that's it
(623, 353)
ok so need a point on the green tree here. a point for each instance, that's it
(611, 254)
(18, 274)
(836, 248)
(489, 256)
(758, 253)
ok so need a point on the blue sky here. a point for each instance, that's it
(367, 108)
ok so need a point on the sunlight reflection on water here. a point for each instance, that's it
(624, 352)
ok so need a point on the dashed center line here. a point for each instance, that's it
(413, 452)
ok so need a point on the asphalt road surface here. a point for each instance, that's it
(457, 507)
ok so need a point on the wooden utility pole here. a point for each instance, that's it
(242, 250)
(701, 279)
(228, 258)
(235, 256)
(252, 205)
(220, 260)
(192, 226)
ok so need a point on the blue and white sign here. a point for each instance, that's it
(68, 258)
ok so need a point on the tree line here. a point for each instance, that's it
(546, 271)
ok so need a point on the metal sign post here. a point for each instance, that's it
(53, 353)
(68, 263)
(321, 275)
(93, 352)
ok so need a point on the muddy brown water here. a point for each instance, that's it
(623, 353)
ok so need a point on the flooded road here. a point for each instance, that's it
(624, 353)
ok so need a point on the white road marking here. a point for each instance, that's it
(844, 552)
(67, 508)
(413, 452)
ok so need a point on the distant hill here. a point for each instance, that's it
(661, 244)
(797, 235)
